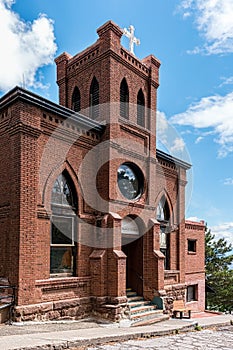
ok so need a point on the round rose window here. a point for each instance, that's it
(130, 180)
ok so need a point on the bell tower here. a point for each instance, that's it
(106, 72)
(109, 84)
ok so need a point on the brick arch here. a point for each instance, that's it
(138, 220)
(67, 168)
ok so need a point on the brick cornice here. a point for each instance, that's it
(21, 128)
(127, 152)
(118, 58)
(169, 158)
(110, 25)
(19, 94)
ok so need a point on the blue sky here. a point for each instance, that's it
(193, 39)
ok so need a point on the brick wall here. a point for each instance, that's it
(41, 140)
(195, 262)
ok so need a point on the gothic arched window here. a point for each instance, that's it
(61, 192)
(163, 213)
(124, 99)
(63, 232)
(94, 98)
(163, 216)
(76, 100)
(141, 108)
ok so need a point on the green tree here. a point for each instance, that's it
(219, 275)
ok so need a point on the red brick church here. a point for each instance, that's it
(92, 215)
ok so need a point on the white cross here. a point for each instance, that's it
(132, 39)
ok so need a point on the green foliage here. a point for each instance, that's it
(219, 275)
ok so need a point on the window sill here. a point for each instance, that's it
(62, 282)
(61, 275)
(191, 302)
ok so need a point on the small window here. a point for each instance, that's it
(124, 99)
(191, 293)
(192, 245)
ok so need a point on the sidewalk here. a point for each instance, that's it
(73, 334)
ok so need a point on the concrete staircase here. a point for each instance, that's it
(143, 312)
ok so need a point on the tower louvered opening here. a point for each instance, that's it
(141, 108)
(124, 99)
(76, 100)
(94, 99)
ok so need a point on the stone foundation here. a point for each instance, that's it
(70, 309)
(112, 309)
(175, 292)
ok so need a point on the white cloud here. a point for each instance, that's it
(168, 138)
(162, 123)
(213, 112)
(226, 81)
(224, 230)
(193, 218)
(213, 19)
(228, 181)
(199, 139)
(24, 47)
(178, 145)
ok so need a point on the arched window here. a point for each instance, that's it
(163, 213)
(163, 216)
(62, 193)
(63, 233)
(140, 108)
(76, 100)
(94, 98)
(124, 99)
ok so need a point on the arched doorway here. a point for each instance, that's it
(132, 246)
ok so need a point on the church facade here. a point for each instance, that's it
(89, 208)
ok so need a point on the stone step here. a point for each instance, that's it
(142, 309)
(131, 294)
(149, 320)
(145, 314)
(135, 298)
(135, 304)
(142, 312)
